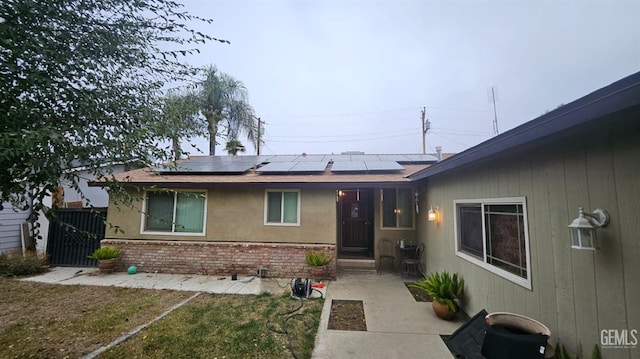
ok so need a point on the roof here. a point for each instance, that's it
(286, 170)
(586, 111)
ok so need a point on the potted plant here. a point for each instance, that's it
(444, 288)
(106, 257)
(318, 262)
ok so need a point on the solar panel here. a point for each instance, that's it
(421, 158)
(314, 158)
(346, 166)
(314, 166)
(347, 162)
(276, 167)
(383, 166)
(280, 158)
(211, 164)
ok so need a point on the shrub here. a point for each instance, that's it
(317, 259)
(442, 287)
(105, 253)
(16, 264)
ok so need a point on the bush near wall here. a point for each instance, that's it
(281, 260)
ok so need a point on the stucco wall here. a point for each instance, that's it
(576, 293)
(237, 215)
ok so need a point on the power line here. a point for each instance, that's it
(403, 131)
(334, 141)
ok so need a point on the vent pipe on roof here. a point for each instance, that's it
(439, 152)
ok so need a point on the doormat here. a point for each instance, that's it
(418, 294)
(347, 315)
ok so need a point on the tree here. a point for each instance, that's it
(233, 147)
(225, 106)
(181, 119)
(81, 82)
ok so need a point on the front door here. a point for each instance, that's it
(355, 218)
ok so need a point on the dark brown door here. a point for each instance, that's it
(355, 216)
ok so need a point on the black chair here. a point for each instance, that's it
(415, 262)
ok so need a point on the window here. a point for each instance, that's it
(493, 234)
(282, 208)
(397, 207)
(174, 212)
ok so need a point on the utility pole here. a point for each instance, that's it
(495, 112)
(426, 126)
(259, 139)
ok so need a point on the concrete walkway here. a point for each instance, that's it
(397, 325)
(194, 283)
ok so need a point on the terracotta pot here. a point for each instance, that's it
(442, 310)
(107, 265)
(318, 272)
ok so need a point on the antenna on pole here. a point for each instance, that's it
(492, 98)
(426, 126)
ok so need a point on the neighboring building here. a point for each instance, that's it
(11, 228)
(221, 214)
(504, 210)
(88, 195)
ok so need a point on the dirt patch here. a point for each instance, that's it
(347, 315)
(418, 294)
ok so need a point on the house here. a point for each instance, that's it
(85, 195)
(221, 214)
(504, 208)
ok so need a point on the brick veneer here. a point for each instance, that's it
(219, 258)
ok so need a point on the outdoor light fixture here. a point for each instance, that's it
(583, 228)
(416, 199)
(432, 215)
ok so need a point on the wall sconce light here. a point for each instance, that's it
(583, 228)
(432, 214)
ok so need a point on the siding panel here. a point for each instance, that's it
(10, 222)
(627, 179)
(608, 260)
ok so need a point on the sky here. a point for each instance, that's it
(353, 75)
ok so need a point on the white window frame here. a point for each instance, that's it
(143, 219)
(413, 213)
(482, 262)
(266, 208)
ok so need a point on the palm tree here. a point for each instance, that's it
(224, 103)
(181, 120)
(233, 147)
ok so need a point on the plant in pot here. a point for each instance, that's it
(318, 262)
(444, 288)
(106, 257)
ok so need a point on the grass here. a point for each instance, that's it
(228, 326)
(57, 321)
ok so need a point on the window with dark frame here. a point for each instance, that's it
(494, 233)
(397, 208)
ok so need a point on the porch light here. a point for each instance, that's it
(583, 228)
(432, 214)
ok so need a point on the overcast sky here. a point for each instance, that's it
(334, 76)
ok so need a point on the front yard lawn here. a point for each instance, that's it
(59, 321)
